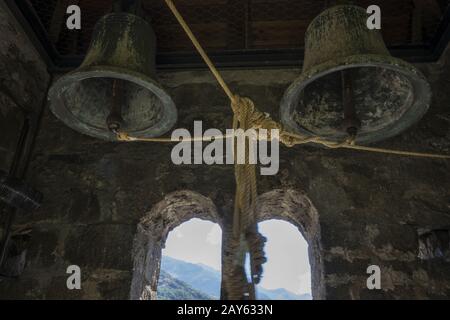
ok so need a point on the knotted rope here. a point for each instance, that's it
(245, 237)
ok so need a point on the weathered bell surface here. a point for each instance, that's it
(116, 82)
(350, 79)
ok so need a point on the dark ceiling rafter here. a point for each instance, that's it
(250, 58)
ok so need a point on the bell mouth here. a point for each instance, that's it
(83, 100)
(389, 95)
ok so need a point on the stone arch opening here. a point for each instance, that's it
(287, 271)
(191, 262)
(152, 231)
(295, 207)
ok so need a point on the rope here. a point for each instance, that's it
(259, 120)
(296, 139)
(245, 238)
(199, 48)
(123, 136)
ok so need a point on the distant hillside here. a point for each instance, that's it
(200, 277)
(206, 280)
(280, 294)
(170, 288)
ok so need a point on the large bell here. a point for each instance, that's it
(115, 88)
(350, 84)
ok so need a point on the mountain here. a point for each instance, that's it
(170, 288)
(207, 280)
(280, 294)
(200, 277)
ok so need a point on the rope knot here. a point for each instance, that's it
(123, 136)
(287, 140)
(251, 118)
(242, 107)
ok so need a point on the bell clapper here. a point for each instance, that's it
(351, 123)
(115, 121)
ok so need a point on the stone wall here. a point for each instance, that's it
(372, 209)
(23, 85)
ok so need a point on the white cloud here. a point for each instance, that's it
(304, 283)
(195, 241)
(177, 233)
(214, 236)
(287, 253)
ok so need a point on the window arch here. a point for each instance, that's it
(152, 231)
(294, 206)
(191, 262)
(287, 272)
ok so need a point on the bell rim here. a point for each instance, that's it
(414, 113)
(58, 108)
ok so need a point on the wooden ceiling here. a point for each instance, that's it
(223, 25)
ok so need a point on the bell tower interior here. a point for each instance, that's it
(94, 93)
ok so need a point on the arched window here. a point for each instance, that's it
(191, 262)
(287, 272)
(294, 207)
(154, 229)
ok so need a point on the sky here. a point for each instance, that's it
(199, 241)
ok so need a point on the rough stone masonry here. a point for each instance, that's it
(109, 206)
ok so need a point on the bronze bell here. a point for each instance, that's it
(115, 88)
(350, 84)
